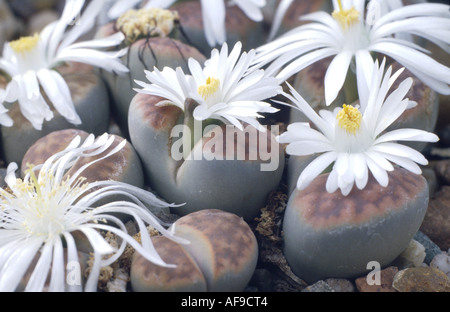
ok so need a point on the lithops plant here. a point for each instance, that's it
(91, 102)
(124, 166)
(364, 188)
(186, 276)
(221, 256)
(38, 89)
(198, 137)
(151, 37)
(221, 171)
(331, 235)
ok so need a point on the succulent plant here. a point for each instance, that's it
(124, 166)
(91, 102)
(211, 181)
(331, 235)
(221, 256)
(151, 38)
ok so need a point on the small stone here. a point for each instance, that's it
(340, 284)
(436, 224)
(431, 249)
(320, 286)
(424, 279)
(386, 279)
(413, 256)
(442, 262)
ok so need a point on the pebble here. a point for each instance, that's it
(319, 286)
(431, 249)
(385, 283)
(442, 262)
(436, 224)
(340, 284)
(413, 256)
(423, 279)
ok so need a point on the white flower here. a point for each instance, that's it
(39, 214)
(30, 62)
(213, 14)
(346, 36)
(224, 88)
(355, 138)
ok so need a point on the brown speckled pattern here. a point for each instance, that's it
(156, 277)
(232, 241)
(157, 117)
(50, 144)
(321, 209)
(110, 168)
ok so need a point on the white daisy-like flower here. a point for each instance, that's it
(224, 88)
(39, 215)
(347, 36)
(354, 138)
(213, 14)
(30, 62)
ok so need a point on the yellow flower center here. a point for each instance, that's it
(212, 86)
(43, 203)
(25, 44)
(147, 22)
(349, 118)
(346, 17)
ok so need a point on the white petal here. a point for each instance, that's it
(315, 168)
(40, 273)
(407, 134)
(379, 174)
(58, 92)
(336, 74)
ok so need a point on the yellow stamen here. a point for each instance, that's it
(212, 86)
(349, 118)
(147, 22)
(25, 44)
(346, 17)
(34, 179)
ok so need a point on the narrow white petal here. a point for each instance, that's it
(407, 134)
(40, 273)
(315, 168)
(336, 74)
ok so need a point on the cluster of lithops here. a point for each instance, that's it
(221, 256)
(187, 88)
